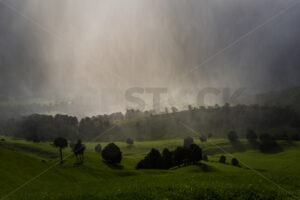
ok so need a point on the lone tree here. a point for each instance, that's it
(232, 136)
(129, 141)
(112, 153)
(61, 143)
(188, 141)
(222, 159)
(78, 150)
(235, 162)
(251, 136)
(98, 148)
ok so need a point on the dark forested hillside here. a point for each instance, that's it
(217, 121)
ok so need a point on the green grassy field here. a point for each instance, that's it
(276, 176)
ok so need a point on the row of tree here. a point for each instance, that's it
(181, 155)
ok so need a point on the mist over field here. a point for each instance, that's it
(72, 50)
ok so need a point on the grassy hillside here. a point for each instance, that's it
(95, 180)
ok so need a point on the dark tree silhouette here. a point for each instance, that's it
(196, 153)
(222, 159)
(129, 141)
(152, 161)
(188, 141)
(61, 143)
(112, 153)
(78, 150)
(167, 159)
(98, 148)
(235, 162)
(232, 136)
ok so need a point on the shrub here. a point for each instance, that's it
(203, 139)
(188, 141)
(98, 148)
(129, 141)
(235, 162)
(112, 153)
(232, 136)
(222, 159)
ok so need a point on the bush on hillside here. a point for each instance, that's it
(129, 141)
(235, 162)
(112, 154)
(98, 148)
(222, 159)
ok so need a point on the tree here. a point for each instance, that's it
(232, 136)
(167, 159)
(152, 161)
(235, 162)
(251, 135)
(188, 141)
(179, 154)
(222, 159)
(196, 153)
(61, 143)
(112, 153)
(78, 150)
(98, 148)
(129, 141)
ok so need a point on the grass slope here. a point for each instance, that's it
(95, 180)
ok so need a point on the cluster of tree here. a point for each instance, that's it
(39, 128)
(209, 120)
(181, 155)
(267, 142)
(78, 148)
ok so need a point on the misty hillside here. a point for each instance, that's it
(287, 97)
